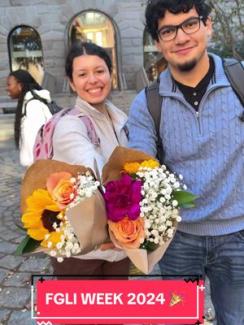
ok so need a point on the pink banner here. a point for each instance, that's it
(118, 301)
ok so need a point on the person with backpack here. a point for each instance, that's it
(86, 135)
(201, 133)
(31, 112)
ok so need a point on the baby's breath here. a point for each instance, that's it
(158, 207)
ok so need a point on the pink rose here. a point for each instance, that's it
(61, 188)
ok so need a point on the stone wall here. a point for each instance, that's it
(51, 20)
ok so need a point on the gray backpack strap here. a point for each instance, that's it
(154, 105)
(234, 71)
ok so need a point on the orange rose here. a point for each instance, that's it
(61, 188)
(129, 233)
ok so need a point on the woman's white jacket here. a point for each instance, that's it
(35, 114)
(72, 144)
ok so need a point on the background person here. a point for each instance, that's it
(203, 137)
(30, 114)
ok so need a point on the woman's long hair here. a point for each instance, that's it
(28, 83)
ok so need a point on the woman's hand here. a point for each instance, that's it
(106, 246)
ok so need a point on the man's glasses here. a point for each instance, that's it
(189, 26)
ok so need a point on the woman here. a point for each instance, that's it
(31, 113)
(89, 69)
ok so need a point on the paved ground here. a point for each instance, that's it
(15, 271)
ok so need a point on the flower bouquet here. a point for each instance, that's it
(142, 201)
(63, 210)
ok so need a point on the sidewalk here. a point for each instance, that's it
(15, 271)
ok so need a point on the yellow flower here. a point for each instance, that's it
(150, 164)
(40, 214)
(54, 238)
(131, 168)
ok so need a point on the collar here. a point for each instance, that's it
(203, 84)
(118, 117)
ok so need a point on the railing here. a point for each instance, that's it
(122, 82)
(141, 79)
(49, 82)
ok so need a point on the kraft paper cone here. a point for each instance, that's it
(145, 261)
(121, 155)
(37, 174)
(141, 258)
(89, 221)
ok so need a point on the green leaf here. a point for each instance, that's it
(27, 245)
(149, 246)
(185, 199)
(20, 227)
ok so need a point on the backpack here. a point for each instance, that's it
(43, 147)
(53, 106)
(234, 71)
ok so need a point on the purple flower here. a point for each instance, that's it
(122, 198)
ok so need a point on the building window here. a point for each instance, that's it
(96, 27)
(25, 51)
(154, 63)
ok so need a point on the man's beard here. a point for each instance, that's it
(188, 66)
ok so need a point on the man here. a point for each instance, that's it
(203, 139)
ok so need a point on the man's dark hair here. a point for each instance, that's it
(156, 9)
(85, 48)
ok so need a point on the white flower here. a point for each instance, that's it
(159, 210)
(49, 244)
(170, 232)
(59, 245)
(156, 240)
(178, 218)
(53, 253)
(55, 225)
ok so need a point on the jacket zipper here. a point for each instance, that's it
(197, 114)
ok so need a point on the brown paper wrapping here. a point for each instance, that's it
(121, 155)
(141, 258)
(37, 174)
(88, 218)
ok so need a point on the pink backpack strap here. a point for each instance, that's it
(91, 132)
(43, 148)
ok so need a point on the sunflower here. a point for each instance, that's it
(40, 215)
